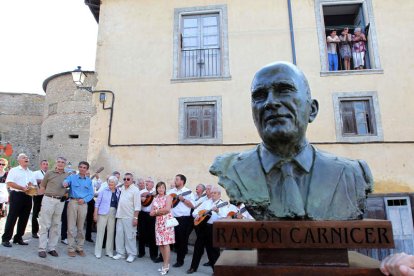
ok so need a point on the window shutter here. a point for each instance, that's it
(193, 121)
(208, 121)
(348, 117)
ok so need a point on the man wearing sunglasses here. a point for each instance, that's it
(129, 205)
(80, 193)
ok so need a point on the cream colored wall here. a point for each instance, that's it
(135, 60)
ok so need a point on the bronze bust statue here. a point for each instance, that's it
(285, 177)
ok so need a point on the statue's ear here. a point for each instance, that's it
(314, 110)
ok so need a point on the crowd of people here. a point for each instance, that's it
(122, 208)
(352, 49)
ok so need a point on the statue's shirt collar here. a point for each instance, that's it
(303, 159)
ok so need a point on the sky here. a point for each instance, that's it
(41, 38)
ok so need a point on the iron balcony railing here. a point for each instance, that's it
(198, 63)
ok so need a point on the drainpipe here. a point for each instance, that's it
(292, 35)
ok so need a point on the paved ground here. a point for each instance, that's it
(23, 260)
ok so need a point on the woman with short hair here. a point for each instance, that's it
(104, 215)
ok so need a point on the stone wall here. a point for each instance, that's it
(66, 116)
(21, 119)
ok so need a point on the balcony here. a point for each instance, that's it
(200, 63)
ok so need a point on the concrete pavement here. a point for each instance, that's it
(90, 265)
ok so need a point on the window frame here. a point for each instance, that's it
(182, 121)
(221, 10)
(372, 42)
(372, 97)
(52, 109)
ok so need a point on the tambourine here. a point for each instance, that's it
(32, 191)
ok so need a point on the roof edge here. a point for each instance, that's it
(46, 81)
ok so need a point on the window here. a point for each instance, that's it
(357, 117)
(200, 120)
(73, 136)
(200, 43)
(338, 15)
(49, 137)
(52, 108)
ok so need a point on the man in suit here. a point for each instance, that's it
(285, 177)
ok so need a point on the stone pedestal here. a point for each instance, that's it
(299, 247)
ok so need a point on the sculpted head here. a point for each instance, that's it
(281, 104)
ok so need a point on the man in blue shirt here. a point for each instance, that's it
(80, 193)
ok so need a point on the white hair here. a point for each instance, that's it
(114, 179)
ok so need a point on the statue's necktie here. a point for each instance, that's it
(293, 198)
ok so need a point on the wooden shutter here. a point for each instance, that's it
(201, 121)
(348, 118)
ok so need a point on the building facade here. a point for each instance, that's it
(180, 71)
(66, 118)
(20, 127)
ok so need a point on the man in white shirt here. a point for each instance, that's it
(217, 209)
(37, 199)
(181, 212)
(19, 180)
(129, 205)
(146, 223)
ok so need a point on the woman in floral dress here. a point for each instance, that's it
(164, 236)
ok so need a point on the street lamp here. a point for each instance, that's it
(79, 78)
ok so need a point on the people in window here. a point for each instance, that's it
(332, 40)
(358, 49)
(345, 48)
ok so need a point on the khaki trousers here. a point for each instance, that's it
(50, 221)
(76, 220)
(125, 237)
(108, 222)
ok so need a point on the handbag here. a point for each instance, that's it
(171, 222)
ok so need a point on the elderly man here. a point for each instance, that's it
(285, 176)
(129, 205)
(218, 210)
(80, 193)
(52, 207)
(18, 180)
(37, 199)
(146, 225)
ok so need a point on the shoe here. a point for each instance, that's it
(207, 264)
(35, 236)
(159, 259)
(141, 255)
(164, 270)
(130, 258)
(118, 256)
(21, 242)
(98, 256)
(65, 241)
(42, 254)
(6, 244)
(81, 253)
(177, 265)
(71, 254)
(109, 255)
(191, 271)
(53, 253)
(89, 240)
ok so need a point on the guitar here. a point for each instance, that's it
(149, 197)
(198, 204)
(203, 214)
(98, 171)
(234, 215)
(176, 200)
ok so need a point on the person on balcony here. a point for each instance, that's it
(332, 40)
(358, 49)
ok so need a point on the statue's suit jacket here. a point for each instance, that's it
(337, 190)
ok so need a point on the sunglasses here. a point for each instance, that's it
(127, 179)
(2, 164)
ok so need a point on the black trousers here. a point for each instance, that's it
(204, 240)
(64, 219)
(89, 219)
(181, 237)
(37, 204)
(146, 231)
(20, 206)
